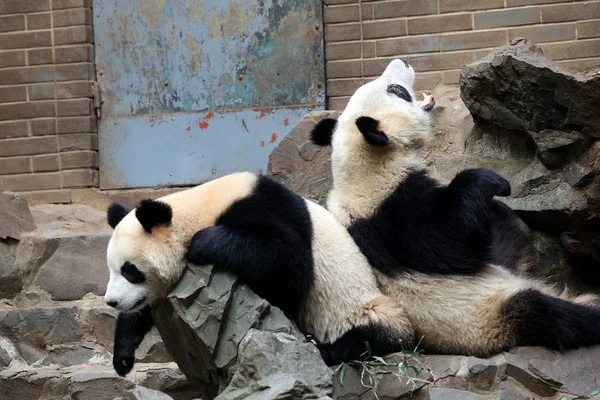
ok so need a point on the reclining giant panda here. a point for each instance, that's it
(289, 250)
(443, 252)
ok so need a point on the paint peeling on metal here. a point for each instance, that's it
(192, 57)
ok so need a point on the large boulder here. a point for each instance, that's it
(203, 322)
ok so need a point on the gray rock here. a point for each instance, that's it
(452, 394)
(77, 267)
(142, 393)
(15, 216)
(203, 321)
(300, 165)
(11, 277)
(517, 88)
(553, 144)
(97, 386)
(278, 366)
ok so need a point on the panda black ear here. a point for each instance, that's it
(115, 213)
(369, 127)
(152, 213)
(322, 133)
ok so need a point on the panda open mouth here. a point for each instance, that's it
(428, 102)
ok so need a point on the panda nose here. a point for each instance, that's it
(112, 303)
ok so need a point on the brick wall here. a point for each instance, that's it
(439, 36)
(48, 139)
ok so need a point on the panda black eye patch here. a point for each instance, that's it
(400, 91)
(132, 273)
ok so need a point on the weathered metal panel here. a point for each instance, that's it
(188, 148)
(186, 58)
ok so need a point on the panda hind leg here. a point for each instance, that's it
(539, 319)
(385, 327)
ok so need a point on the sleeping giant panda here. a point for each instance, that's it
(289, 250)
(443, 252)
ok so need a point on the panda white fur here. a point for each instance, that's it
(289, 250)
(437, 249)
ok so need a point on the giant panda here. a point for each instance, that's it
(446, 253)
(289, 250)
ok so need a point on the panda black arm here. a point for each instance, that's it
(270, 257)
(129, 333)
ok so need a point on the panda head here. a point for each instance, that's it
(381, 115)
(144, 256)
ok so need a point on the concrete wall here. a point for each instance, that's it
(48, 139)
(439, 36)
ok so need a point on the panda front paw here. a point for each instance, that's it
(124, 359)
(200, 249)
(482, 180)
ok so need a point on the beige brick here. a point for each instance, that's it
(342, 51)
(40, 56)
(13, 93)
(76, 141)
(335, 2)
(383, 29)
(474, 40)
(517, 3)
(73, 89)
(13, 129)
(12, 23)
(26, 75)
(20, 6)
(588, 29)
(76, 125)
(14, 165)
(26, 110)
(569, 50)
(590, 64)
(48, 197)
(79, 159)
(436, 62)
(405, 8)
(28, 146)
(80, 178)
(45, 163)
(544, 33)
(441, 23)
(74, 35)
(39, 21)
(337, 103)
(340, 14)
(42, 181)
(338, 33)
(76, 16)
(25, 39)
(343, 87)
(66, 108)
(571, 12)
(408, 45)
(482, 53)
(12, 58)
(74, 54)
(451, 77)
(42, 91)
(62, 4)
(368, 49)
(426, 82)
(42, 126)
(376, 66)
(469, 5)
(366, 12)
(512, 17)
(73, 72)
(343, 69)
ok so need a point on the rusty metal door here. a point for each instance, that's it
(195, 89)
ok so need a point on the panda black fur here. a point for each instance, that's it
(289, 250)
(443, 252)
